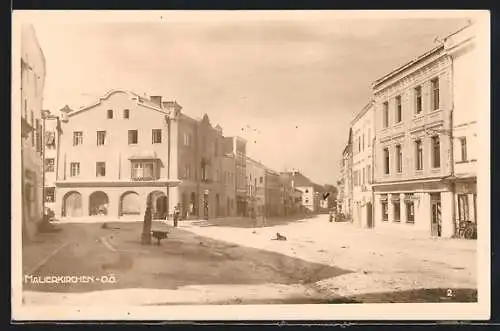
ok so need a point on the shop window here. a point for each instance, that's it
(410, 209)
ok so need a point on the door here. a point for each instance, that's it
(369, 219)
(161, 207)
(436, 215)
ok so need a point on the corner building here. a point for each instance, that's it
(125, 147)
(412, 158)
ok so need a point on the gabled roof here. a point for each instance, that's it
(133, 96)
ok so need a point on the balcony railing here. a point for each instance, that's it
(145, 178)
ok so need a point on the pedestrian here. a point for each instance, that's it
(330, 216)
(176, 215)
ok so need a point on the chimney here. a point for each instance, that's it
(156, 99)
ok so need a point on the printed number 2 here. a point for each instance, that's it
(449, 293)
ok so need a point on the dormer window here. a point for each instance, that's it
(110, 113)
(126, 113)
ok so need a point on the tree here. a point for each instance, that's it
(146, 227)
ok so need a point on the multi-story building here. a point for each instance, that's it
(411, 154)
(202, 192)
(310, 192)
(229, 183)
(236, 148)
(344, 199)
(362, 166)
(125, 147)
(33, 73)
(274, 202)
(461, 47)
(256, 187)
(52, 134)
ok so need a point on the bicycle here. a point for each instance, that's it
(467, 230)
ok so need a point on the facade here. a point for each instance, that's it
(52, 136)
(235, 147)
(115, 153)
(33, 73)
(229, 183)
(411, 153)
(344, 200)
(256, 188)
(310, 193)
(200, 151)
(273, 193)
(461, 48)
(362, 166)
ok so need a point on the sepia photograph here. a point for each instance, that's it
(256, 165)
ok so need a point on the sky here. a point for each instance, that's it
(290, 86)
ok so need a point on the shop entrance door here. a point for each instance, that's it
(436, 215)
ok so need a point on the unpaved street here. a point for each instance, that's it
(211, 262)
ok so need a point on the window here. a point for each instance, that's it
(33, 132)
(132, 137)
(359, 144)
(187, 139)
(77, 138)
(369, 174)
(396, 204)
(126, 113)
(436, 152)
(143, 171)
(399, 159)
(156, 136)
(74, 169)
(261, 180)
(216, 148)
(50, 194)
(101, 138)
(49, 165)
(369, 138)
(418, 99)
(419, 161)
(110, 113)
(474, 199)
(50, 139)
(410, 208)
(398, 109)
(187, 171)
(307, 191)
(463, 149)
(463, 207)
(39, 136)
(100, 169)
(204, 170)
(363, 180)
(435, 93)
(363, 141)
(307, 200)
(386, 114)
(386, 161)
(385, 211)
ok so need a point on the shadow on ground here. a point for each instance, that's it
(252, 223)
(182, 259)
(413, 296)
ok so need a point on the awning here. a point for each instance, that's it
(144, 155)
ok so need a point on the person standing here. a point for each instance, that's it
(176, 215)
